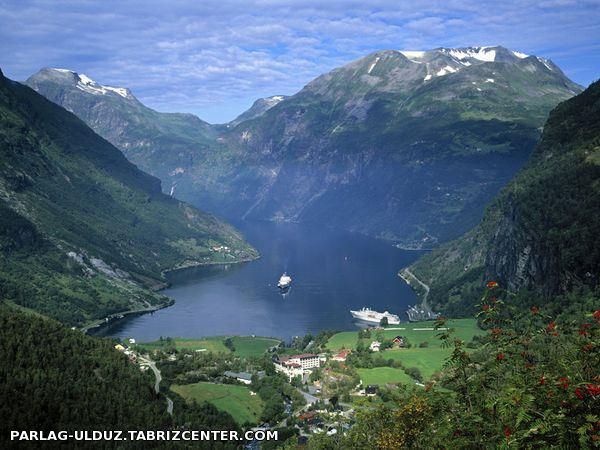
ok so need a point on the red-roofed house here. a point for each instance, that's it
(341, 356)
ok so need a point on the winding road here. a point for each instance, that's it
(158, 377)
(405, 272)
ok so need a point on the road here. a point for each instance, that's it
(158, 378)
(310, 399)
(423, 285)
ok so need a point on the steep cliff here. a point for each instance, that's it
(540, 233)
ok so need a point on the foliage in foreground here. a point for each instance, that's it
(53, 378)
(534, 385)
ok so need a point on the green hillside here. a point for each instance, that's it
(539, 234)
(84, 232)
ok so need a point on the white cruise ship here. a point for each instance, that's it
(284, 281)
(368, 315)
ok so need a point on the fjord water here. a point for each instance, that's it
(332, 273)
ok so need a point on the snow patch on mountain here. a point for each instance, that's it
(520, 55)
(545, 62)
(445, 71)
(117, 90)
(486, 54)
(275, 99)
(373, 64)
(88, 85)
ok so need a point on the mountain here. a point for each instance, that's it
(401, 145)
(258, 108)
(83, 232)
(539, 234)
(157, 142)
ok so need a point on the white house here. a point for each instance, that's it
(290, 369)
(375, 345)
(296, 365)
(306, 360)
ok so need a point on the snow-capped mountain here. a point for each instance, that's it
(403, 145)
(258, 108)
(465, 57)
(85, 83)
(159, 142)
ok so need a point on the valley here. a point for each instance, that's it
(140, 253)
(402, 146)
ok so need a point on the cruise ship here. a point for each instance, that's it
(284, 281)
(368, 315)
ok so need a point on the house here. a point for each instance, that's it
(341, 356)
(290, 369)
(306, 360)
(120, 348)
(132, 341)
(308, 417)
(296, 365)
(371, 390)
(131, 355)
(242, 377)
(375, 346)
(400, 341)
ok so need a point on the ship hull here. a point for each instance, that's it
(375, 320)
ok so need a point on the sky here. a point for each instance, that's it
(214, 58)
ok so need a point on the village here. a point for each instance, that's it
(313, 385)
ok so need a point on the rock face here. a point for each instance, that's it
(406, 146)
(540, 233)
(519, 258)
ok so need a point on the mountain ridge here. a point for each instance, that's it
(378, 131)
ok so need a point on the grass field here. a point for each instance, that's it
(345, 339)
(213, 344)
(429, 359)
(416, 333)
(234, 399)
(252, 346)
(383, 375)
(244, 345)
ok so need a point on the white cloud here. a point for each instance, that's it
(194, 56)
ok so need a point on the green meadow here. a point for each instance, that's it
(232, 398)
(384, 375)
(244, 346)
(428, 359)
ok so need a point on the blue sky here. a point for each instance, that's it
(213, 58)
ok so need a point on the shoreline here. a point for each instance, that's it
(123, 314)
(97, 324)
(166, 272)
